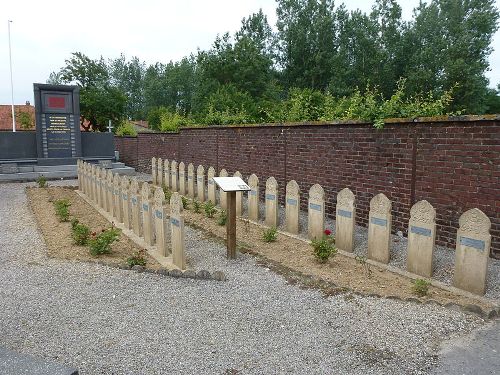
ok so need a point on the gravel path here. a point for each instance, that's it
(110, 321)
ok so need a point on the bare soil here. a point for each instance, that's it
(57, 234)
(291, 256)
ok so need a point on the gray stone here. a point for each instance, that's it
(473, 309)
(163, 271)
(9, 168)
(413, 299)
(138, 268)
(492, 314)
(219, 276)
(175, 273)
(189, 274)
(106, 164)
(203, 274)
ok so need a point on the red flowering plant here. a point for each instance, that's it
(325, 247)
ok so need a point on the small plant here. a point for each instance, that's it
(41, 181)
(196, 206)
(137, 259)
(362, 260)
(270, 235)
(101, 243)
(80, 233)
(421, 287)
(222, 218)
(62, 209)
(209, 209)
(325, 247)
(167, 192)
(185, 203)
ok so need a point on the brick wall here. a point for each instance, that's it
(455, 165)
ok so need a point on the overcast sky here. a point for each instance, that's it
(44, 33)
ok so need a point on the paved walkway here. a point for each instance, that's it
(109, 321)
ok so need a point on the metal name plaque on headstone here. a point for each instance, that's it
(378, 221)
(344, 213)
(57, 109)
(471, 242)
(314, 206)
(421, 231)
(292, 202)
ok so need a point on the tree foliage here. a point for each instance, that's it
(322, 62)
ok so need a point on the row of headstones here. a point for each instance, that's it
(473, 237)
(141, 209)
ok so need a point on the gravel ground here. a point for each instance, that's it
(110, 321)
(444, 258)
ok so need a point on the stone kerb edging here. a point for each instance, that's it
(435, 283)
(169, 268)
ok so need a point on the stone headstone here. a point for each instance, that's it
(166, 173)
(472, 252)
(173, 176)
(421, 236)
(110, 193)
(78, 172)
(159, 173)
(125, 187)
(104, 190)
(316, 212)
(117, 199)
(190, 181)
(147, 225)
(135, 207)
(253, 198)
(239, 197)
(177, 232)
(292, 207)
(222, 194)
(93, 188)
(98, 186)
(345, 220)
(379, 229)
(154, 171)
(271, 202)
(200, 183)
(212, 196)
(161, 223)
(182, 178)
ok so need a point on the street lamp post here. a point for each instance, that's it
(11, 82)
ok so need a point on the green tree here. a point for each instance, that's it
(100, 101)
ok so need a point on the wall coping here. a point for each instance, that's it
(392, 121)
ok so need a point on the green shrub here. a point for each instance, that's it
(421, 287)
(185, 203)
(270, 235)
(41, 181)
(25, 119)
(171, 121)
(196, 206)
(62, 209)
(222, 218)
(101, 243)
(137, 259)
(126, 128)
(80, 233)
(167, 192)
(209, 209)
(325, 247)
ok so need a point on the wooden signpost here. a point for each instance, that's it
(231, 185)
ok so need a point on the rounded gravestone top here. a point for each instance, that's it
(153, 160)
(159, 196)
(475, 221)
(380, 204)
(211, 172)
(125, 182)
(173, 165)
(110, 176)
(423, 212)
(200, 170)
(134, 186)
(346, 198)
(223, 173)
(145, 191)
(104, 173)
(116, 180)
(317, 193)
(237, 174)
(292, 188)
(181, 166)
(253, 181)
(271, 185)
(175, 204)
(190, 168)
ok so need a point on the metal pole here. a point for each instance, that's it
(11, 82)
